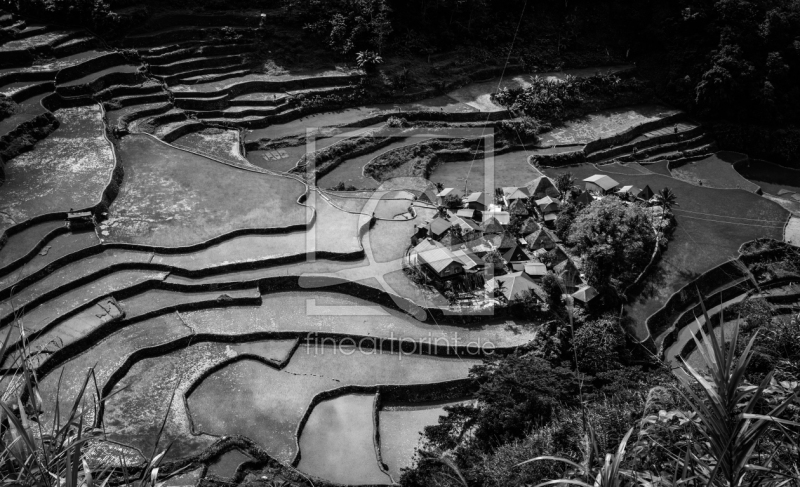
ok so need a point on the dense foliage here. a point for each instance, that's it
(616, 241)
(554, 100)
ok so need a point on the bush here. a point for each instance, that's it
(368, 60)
(7, 106)
(551, 100)
(525, 128)
(599, 345)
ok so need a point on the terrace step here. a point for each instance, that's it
(267, 99)
(666, 152)
(663, 135)
(648, 153)
(194, 51)
(31, 30)
(23, 90)
(75, 46)
(210, 78)
(124, 117)
(126, 74)
(167, 48)
(187, 33)
(132, 100)
(117, 91)
(203, 104)
(235, 113)
(193, 64)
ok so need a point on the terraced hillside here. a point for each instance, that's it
(165, 229)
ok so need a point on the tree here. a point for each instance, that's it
(564, 183)
(599, 345)
(515, 394)
(666, 199)
(615, 240)
(565, 219)
(551, 285)
(452, 201)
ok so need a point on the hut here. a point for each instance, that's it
(600, 183)
(438, 259)
(476, 201)
(541, 187)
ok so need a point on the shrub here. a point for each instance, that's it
(7, 106)
(368, 60)
(525, 128)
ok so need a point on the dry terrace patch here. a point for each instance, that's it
(69, 169)
(174, 198)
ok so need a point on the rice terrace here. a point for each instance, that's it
(337, 243)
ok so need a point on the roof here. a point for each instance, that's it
(515, 254)
(491, 225)
(469, 259)
(646, 192)
(482, 245)
(529, 226)
(476, 198)
(450, 240)
(542, 186)
(567, 267)
(585, 294)
(444, 192)
(546, 201)
(535, 269)
(584, 198)
(466, 224)
(439, 226)
(427, 196)
(551, 217)
(79, 214)
(515, 193)
(503, 241)
(436, 255)
(602, 180)
(503, 217)
(518, 207)
(466, 213)
(515, 284)
(629, 190)
(539, 238)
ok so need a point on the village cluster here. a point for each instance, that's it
(483, 248)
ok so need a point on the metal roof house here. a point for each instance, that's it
(536, 270)
(600, 183)
(476, 201)
(471, 262)
(438, 259)
(438, 227)
(585, 294)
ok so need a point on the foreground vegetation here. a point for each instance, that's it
(541, 415)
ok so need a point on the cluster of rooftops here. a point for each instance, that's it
(475, 238)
